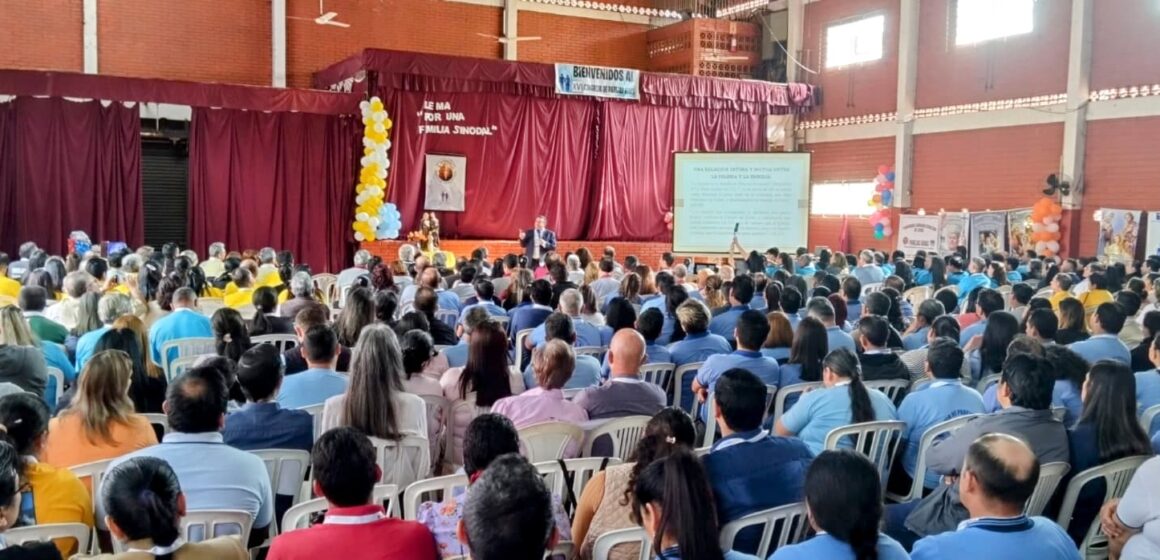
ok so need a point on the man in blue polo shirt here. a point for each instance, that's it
(791, 303)
(999, 475)
(975, 278)
(916, 334)
(649, 326)
(942, 400)
(697, 345)
(587, 334)
(485, 297)
(821, 309)
(739, 298)
(749, 469)
(1105, 343)
(319, 382)
(184, 322)
(751, 330)
(586, 373)
(852, 293)
(989, 301)
(530, 315)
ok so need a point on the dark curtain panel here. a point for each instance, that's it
(284, 180)
(68, 166)
(633, 183)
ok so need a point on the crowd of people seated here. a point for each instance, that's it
(737, 374)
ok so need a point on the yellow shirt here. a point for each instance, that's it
(283, 296)
(9, 287)
(271, 280)
(59, 497)
(242, 296)
(67, 446)
(1092, 299)
(230, 288)
(1056, 298)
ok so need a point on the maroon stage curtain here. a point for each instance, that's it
(633, 187)
(539, 160)
(284, 180)
(68, 166)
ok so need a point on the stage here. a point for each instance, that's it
(648, 252)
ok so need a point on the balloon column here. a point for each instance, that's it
(373, 219)
(669, 220)
(880, 201)
(1045, 216)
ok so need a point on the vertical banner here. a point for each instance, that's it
(952, 232)
(1019, 231)
(1153, 247)
(988, 233)
(446, 183)
(1119, 230)
(917, 233)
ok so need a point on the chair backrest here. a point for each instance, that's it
(1147, 418)
(1116, 476)
(448, 316)
(1059, 412)
(287, 469)
(247, 311)
(779, 526)
(893, 388)
(580, 470)
(403, 461)
(594, 351)
(181, 365)
(873, 287)
(430, 490)
(58, 375)
(315, 411)
(602, 548)
(679, 376)
(323, 283)
(625, 433)
(1044, 292)
(986, 382)
(207, 305)
(1049, 477)
(95, 472)
(298, 516)
(917, 295)
(548, 441)
(659, 374)
(202, 525)
(462, 410)
(878, 441)
(502, 321)
(519, 350)
(158, 419)
(785, 392)
(41, 533)
(284, 342)
(182, 347)
(929, 437)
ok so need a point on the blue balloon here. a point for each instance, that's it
(887, 196)
(878, 228)
(890, 176)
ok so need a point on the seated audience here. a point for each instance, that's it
(739, 297)
(195, 408)
(620, 315)
(358, 311)
(878, 362)
(915, 336)
(11, 495)
(1096, 293)
(231, 337)
(1072, 322)
(976, 277)
(1132, 333)
(878, 304)
(1021, 294)
(109, 309)
(1141, 354)
(822, 310)
(262, 423)
(534, 314)
(852, 293)
(243, 294)
(586, 334)
(987, 351)
(544, 400)
(483, 380)
(1130, 522)
(302, 292)
(32, 301)
(805, 361)
(345, 472)
(749, 469)
(22, 359)
(602, 509)
(266, 318)
(510, 515)
(418, 351)
(790, 304)
(184, 322)
(484, 292)
(1104, 344)
(321, 351)
(295, 358)
(1070, 371)
(750, 331)
(559, 326)
(842, 400)
(1148, 383)
(144, 503)
(100, 423)
(386, 304)
(625, 393)
(1041, 324)
(998, 476)
(843, 495)
(76, 285)
(778, 343)
(989, 302)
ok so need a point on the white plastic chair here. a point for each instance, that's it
(659, 374)
(986, 382)
(594, 351)
(323, 283)
(895, 389)
(403, 461)
(58, 375)
(315, 411)
(298, 516)
(929, 437)
(878, 441)
(917, 295)
(869, 288)
(1148, 417)
(201, 525)
(181, 365)
(1116, 476)
(625, 432)
(247, 311)
(784, 393)
(549, 441)
(42, 533)
(786, 523)
(207, 305)
(95, 472)
(678, 382)
(448, 316)
(502, 321)
(519, 350)
(284, 342)
(287, 469)
(1043, 292)
(158, 419)
(602, 548)
(430, 490)
(1059, 412)
(184, 347)
(1049, 477)
(581, 470)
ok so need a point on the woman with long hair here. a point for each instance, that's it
(841, 312)
(358, 311)
(375, 402)
(938, 273)
(711, 293)
(843, 495)
(144, 505)
(1070, 370)
(590, 306)
(671, 330)
(147, 388)
(672, 501)
(902, 270)
(418, 349)
(997, 272)
(88, 319)
(621, 315)
(22, 360)
(1072, 322)
(266, 319)
(810, 346)
(842, 400)
(630, 288)
(386, 305)
(605, 504)
(648, 281)
(987, 354)
(894, 315)
(1107, 430)
(483, 380)
(779, 342)
(772, 295)
(101, 422)
(231, 337)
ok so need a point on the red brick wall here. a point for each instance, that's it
(41, 35)
(1122, 171)
(582, 41)
(856, 160)
(860, 89)
(1125, 43)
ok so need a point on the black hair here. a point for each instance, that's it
(344, 465)
(809, 349)
(386, 303)
(947, 326)
(791, 300)
(772, 294)
(410, 321)
(877, 303)
(9, 474)
(668, 430)
(197, 400)
(851, 288)
(844, 363)
(509, 515)
(821, 308)
(418, 348)
(843, 490)
(1029, 380)
(1111, 317)
(973, 300)
(488, 436)
(989, 301)
(674, 297)
(127, 341)
(141, 495)
(752, 328)
(260, 371)
(948, 298)
(25, 418)
(740, 399)
(231, 338)
(1111, 407)
(265, 300)
(1066, 365)
(1022, 293)
(97, 267)
(680, 486)
(650, 323)
(743, 289)
(1129, 302)
(32, 298)
(1044, 321)
(945, 358)
(559, 325)
(484, 289)
(875, 330)
(621, 314)
(319, 344)
(541, 292)
(929, 310)
(1000, 331)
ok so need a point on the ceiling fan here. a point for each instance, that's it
(324, 17)
(508, 40)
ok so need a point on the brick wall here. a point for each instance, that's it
(41, 34)
(1122, 171)
(859, 89)
(1124, 43)
(582, 41)
(856, 160)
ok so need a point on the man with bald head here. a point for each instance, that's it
(625, 393)
(998, 476)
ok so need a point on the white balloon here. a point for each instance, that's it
(360, 198)
(379, 116)
(1053, 246)
(1037, 227)
(365, 161)
(368, 143)
(361, 216)
(1040, 246)
(379, 128)
(358, 236)
(1053, 227)
(386, 163)
(364, 106)
(381, 173)
(387, 144)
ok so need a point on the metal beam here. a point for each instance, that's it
(278, 43)
(89, 37)
(511, 29)
(1078, 93)
(907, 90)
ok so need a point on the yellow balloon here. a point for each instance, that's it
(388, 124)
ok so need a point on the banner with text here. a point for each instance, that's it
(952, 232)
(597, 81)
(988, 233)
(1153, 247)
(1119, 230)
(917, 233)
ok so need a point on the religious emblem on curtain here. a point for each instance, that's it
(446, 183)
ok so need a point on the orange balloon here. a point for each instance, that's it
(1048, 253)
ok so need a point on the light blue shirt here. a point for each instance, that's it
(921, 277)
(764, 368)
(587, 334)
(1068, 396)
(448, 300)
(781, 353)
(653, 354)
(1100, 347)
(723, 324)
(825, 547)
(837, 338)
(970, 332)
(914, 340)
(182, 323)
(1148, 394)
(585, 374)
(213, 475)
(311, 387)
(456, 355)
(698, 347)
(87, 344)
(604, 288)
(969, 283)
(492, 309)
(822, 410)
(940, 401)
(868, 275)
(657, 303)
(1014, 538)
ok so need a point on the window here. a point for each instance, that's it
(854, 42)
(977, 21)
(841, 199)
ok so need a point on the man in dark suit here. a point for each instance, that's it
(538, 240)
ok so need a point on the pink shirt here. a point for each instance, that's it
(539, 405)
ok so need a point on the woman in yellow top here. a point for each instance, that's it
(245, 289)
(51, 494)
(101, 423)
(1097, 293)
